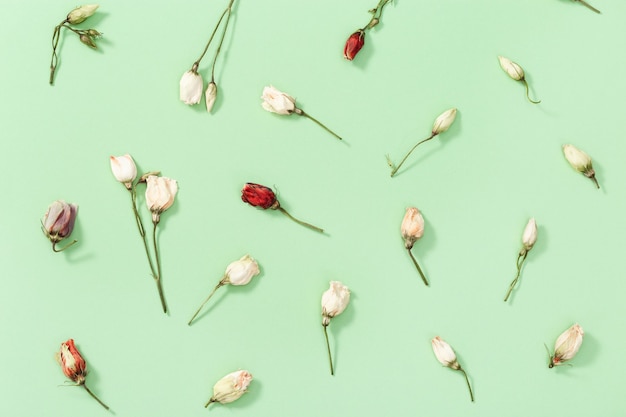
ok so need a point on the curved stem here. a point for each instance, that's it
(219, 47)
(592, 176)
(330, 358)
(310, 226)
(589, 6)
(158, 262)
(527, 96)
(96, 398)
(395, 169)
(468, 384)
(54, 246)
(142, 232)
(520, 261)
(56, 35)
(221, 283)
(212, 35)
(308, 116)
(418, 267)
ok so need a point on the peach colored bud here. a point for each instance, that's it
(160, 193)
(230, 388)
(412, 227)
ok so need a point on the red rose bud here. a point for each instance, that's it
(74, 366)
(258, 195)
(354, 44)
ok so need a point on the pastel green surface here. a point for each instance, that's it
(477, 185)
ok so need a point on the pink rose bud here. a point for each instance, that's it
(58, 223)
(354, 44)
(412, 229)
(74, 366)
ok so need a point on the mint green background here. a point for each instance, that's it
(476, 185)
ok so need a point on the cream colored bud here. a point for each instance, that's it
(210, 96)
(412, 227)
(444, 353)
(81, 13)
(242, 271)
(124, 169)
(580, 161)
(231, 387)
(160, 193)
(275, 101)
(444, 121)
(529, 237)
(567, 345)
(190, 91)
(515, 71)
(334, 301)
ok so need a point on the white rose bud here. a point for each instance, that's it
(160, 193)
(230, 388)
(210, 96)
(412, 229)
(515, 71)
(242, 271)
(334, 302)
(81, 13)
(238, 272)
(446, 356)
(444, 121)
(529, 237)
(191, 87)
(124, 169)
(581, 162)
(275, 101)
(567, 345)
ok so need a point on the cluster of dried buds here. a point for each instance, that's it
(160, 194)
(58, 222)
(356, 41)
(86, 36)
(191, 84)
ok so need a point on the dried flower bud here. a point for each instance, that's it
(511, 68)
(94, 33)
(444, 121)
(88, 40)
(334, 301)
(529, 237)
(81, 13)
(210, 96)
(580, 161)
(354, 44)
(72, 363)
(230, 388)
(412, 227)
(275, 101)
(58, 222)
(258, 195)
(191, 87)
(446, 356)
(567, 345)
(160, 193)
(242, 271)
(124, 169)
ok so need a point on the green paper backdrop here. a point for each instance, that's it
(477, 185)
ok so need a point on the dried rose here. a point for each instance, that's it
(190, 87)
(258, 195)
(124, 169)
(446, 356)
(354, 44)
(230, 388)
(412, 229)
(567, 345)
(238, 272)
(581, 162)
(334, 302)
(74, 366)
(442, 123)
(58, 223)
(160, 193)
(529, 237)
(275, 101)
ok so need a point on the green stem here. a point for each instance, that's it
(96, 398)
(395, 169)
(142, 233)
(418, 267)
(158, 262)
(56, 35)
(520, 261)
(221, 283)
(54, 246)
(330, 358)
(219, 47)
(468, 384)
(377, 14)
(310, 226)
(589, 6)
(211, 400)
(527, 94)
(308, 116)
(197, 63)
